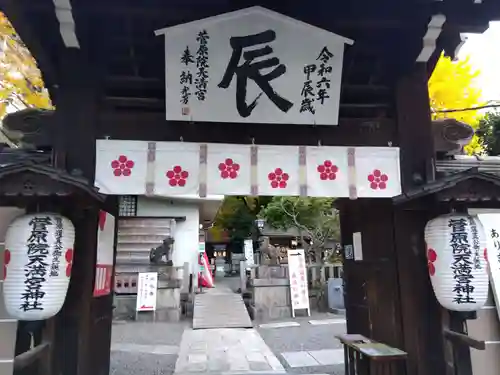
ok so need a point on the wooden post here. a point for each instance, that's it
(414, 126)
(420, 312)
(461, 350)
(83, 329)
(243, 276)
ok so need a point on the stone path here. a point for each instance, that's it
(225, 351)
(313, 358)
(220, 307)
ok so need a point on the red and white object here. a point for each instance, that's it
(194, 169)
(377, 172)
(327, 172)
(177, 168)
(205, 277)
(38, 258)
(105, 249)
(278, 171)
(228, 169)
(456, 256)
(121, 167)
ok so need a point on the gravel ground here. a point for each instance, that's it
(154, 334)
(149, 333)
(305, 338)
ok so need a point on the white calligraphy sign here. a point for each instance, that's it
(491, 223)
(147, 285)
(297, 272)
(248, 245)
(253, 66)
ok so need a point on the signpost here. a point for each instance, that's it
(147, 287)
(249, 257)
(298, 281)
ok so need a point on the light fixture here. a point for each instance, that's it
(260, 223)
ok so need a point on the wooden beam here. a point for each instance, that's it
(463, 339)
(27, 358)
(124, 124)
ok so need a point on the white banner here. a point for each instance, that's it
(147, 286)
(188, 168)
(327, 172)
(249, 66)
(228, 169)
(278, 170)
(121, 167)
(249, 253)
(377, 172)
(298, 280)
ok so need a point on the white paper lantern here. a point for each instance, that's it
(456, 255)
(38, 259)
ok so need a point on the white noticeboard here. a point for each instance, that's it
(249, 253)
(246, 67)
(491, 223)
(147, 286)
(297, 272)
(357, 243)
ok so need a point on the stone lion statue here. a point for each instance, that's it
(157, 254)
(271, 251)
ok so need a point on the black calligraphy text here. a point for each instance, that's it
(35, 270)
(56, 255)
(475, 244)
(186, 77)
(251, 69)
(495, 236)
(201, 80)
(462, 262)
(316, 93)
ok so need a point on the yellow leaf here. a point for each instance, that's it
(453, 86)
(20, 77)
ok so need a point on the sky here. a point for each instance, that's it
(485, 55)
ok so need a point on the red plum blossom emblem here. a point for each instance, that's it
(278, 179)
(177, 176)
(431, 258)
(378, 180)
(122, 166)
(327, 170)
(229, 169)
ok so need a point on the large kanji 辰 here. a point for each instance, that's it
(251, 69)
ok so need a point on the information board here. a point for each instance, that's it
(146, 291)
(249, 253)
(297, 271)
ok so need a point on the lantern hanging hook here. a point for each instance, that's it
(319, 143)
(181, 138)
(253, 141)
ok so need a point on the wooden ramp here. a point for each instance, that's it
(220, 307)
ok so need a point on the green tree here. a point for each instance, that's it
(489, 133)
(237, 215)
(314, 218)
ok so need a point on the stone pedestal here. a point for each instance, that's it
(270, 293)
(168, 304)
(220, 267)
